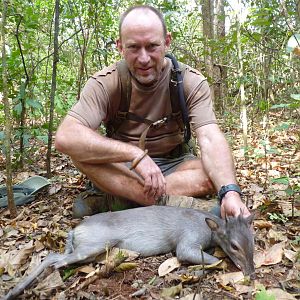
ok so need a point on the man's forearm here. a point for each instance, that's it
(218, 164)
(83, 144)
(216, 156)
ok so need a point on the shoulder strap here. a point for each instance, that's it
(177, 93)
(125, 85)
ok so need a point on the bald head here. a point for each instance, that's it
(139, 11)
(143, 42)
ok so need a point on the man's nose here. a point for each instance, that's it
(144, 57)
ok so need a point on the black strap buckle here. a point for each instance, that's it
(122, 115)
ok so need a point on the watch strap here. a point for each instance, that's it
(227, 188)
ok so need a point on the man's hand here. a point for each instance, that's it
(232, 205)
(154, 181)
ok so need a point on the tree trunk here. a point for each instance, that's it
(83, 49)
(241, 75)
(7, 111)
(207, 15)
(298, 13)
(220, 71)
(53, 87)
(22, 96)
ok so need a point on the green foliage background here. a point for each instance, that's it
(271, 74)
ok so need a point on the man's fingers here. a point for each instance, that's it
(147, 186)
(155, 187)
(162, 186)
(154, 181)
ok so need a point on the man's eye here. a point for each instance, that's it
(152, 47)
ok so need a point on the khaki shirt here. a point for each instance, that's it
(100, 100)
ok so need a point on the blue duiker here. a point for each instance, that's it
(154, 230)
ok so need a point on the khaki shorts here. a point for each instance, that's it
(169, 165)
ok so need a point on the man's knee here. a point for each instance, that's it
(209, 187)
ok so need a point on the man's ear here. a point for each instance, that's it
(168, 40)
(119, 46)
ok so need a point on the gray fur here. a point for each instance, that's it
(150, 231)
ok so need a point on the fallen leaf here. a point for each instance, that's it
(92, 273)
(126, 266)
(130, 255)
(42, 223)
(188, 278)
(142, 291)
(35, 261)
(260, 224)
(53, 281)
(171, 277)
(22, 255)
(258, 200)
(243, 289)
(21, 176)
(291, 255)
(281, 295)
(38, 246)
(56, 187)
(276, 236)
(171, 292)
(219, 253)
(227, 278)
(13, 233)
(86, 269)
(192, 297)
(270, 257)
(255, 188)
(219, 265)
(168, 266)
(288, 209)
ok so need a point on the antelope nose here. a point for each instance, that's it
(252, 276)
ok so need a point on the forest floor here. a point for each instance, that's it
(270, 179)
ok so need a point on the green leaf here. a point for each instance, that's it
(272, 151)
(26, 138)
(282, 105)
(282, 127)
(18, 108)
(295, 96)
(43, 138)
(264, 295)
(289, 191)
(68, 273)
(34, 103)
(282, 180)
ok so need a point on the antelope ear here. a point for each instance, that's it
(213, 225)
(250, 219)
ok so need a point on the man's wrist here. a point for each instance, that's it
(138, 159)
(229, 190)
(231, 196)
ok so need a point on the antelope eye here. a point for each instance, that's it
(234, 247)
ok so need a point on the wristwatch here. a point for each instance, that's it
(227, 188)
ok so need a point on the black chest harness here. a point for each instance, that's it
(178, 103)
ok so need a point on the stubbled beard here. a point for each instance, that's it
(147, 81)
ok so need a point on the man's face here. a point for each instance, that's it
(143, 45)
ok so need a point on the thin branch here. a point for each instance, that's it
(59, 46)
(20, 46)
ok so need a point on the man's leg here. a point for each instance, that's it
(189, 179)
(186, 178)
